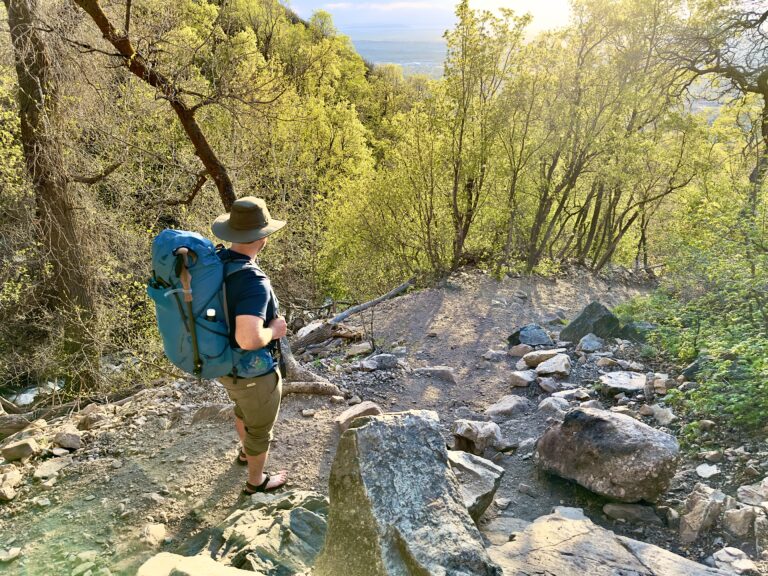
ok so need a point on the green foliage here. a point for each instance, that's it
(732, 384)
(532, 153)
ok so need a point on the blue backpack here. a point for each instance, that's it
(188, 289)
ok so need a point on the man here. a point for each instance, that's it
(255, 386)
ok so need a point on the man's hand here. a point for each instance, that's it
(251, 334)
(279, 327)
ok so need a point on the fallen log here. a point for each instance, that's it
(334, 328)
(12, 423)
(299, 380)
(9, 406)
(371, 303)
(326, 332)
(317, 388)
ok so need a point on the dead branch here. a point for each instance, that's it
(202, 178)
(295, 373)
(360, 307)
(317, 388)
(127, 25)
(89, 180)
(9, 406)
(325, 332)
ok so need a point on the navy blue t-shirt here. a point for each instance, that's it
(249, 293)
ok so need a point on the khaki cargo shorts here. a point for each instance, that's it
(257, 404)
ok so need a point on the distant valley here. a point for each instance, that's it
(415, 57)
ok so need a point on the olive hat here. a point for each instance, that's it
(248, 221)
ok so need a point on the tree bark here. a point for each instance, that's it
(60, 233)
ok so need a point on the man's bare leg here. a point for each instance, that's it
(256, 472)
(256, 463)
(240, 427)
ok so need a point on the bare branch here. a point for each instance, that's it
(202, 178)
(96, 177)
(127, 26)
(142, 68)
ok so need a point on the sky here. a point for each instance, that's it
(414, 20)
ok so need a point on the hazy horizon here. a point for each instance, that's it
(421, 20)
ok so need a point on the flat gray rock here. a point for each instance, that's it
(590, 343)
(167, 564)
(52, 467)
(634, 513)
(566, 543)
(280, 533)
(499, 530)
(444, 373)
(509, 407)
(530, 334)
(617, 382)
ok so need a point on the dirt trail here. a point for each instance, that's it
(167, 457)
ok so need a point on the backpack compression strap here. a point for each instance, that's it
(186, 282)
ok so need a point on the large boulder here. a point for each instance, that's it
(594, 319)
(275, 535)
(567, 543)
(610, 454)
(530, 334)
(478, 479)
(396, 507)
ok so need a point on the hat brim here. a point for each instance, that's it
(224, 231)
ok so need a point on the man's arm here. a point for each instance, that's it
(251, 334)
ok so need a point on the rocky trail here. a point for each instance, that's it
(105, 489)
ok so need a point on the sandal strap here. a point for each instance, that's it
(253, 489)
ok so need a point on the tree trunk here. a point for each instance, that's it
(757, 176)
(72, 286)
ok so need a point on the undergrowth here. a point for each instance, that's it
(732, 350)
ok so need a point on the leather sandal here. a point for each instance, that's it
(253, 489)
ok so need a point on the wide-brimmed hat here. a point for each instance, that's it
(248, 221)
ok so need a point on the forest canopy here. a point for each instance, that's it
(636, 136)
